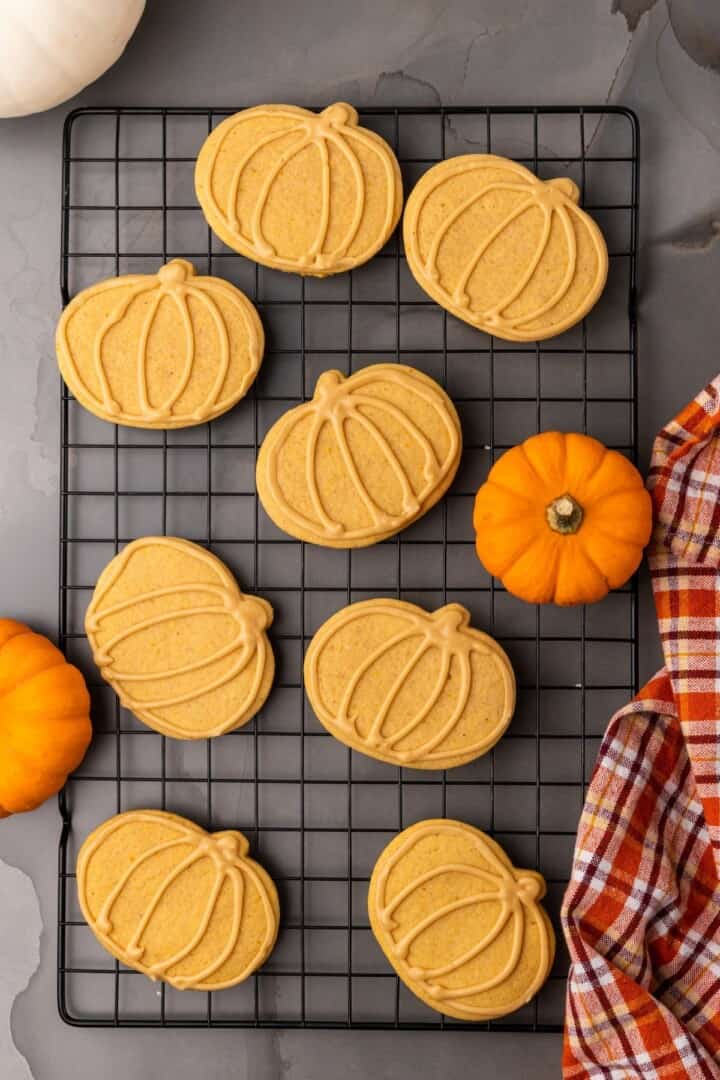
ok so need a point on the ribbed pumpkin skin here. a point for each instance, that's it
(516, 543)
(44, 718)
(51, 51)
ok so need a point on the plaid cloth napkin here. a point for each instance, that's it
(642, 912)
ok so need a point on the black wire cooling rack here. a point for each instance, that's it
(316, 814)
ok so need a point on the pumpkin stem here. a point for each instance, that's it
(327, 382)
(564, 515)
(232, 844)
(451, 618)
(566, 186)
(530, 888)
(340, 114)
(176, 271)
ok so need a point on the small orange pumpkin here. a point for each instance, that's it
(44, 718)
(562, 519)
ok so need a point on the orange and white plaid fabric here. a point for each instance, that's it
(642, 912)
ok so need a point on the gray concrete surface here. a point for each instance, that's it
(661, 57)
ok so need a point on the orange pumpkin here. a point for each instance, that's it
(44, 718)
(562, 519)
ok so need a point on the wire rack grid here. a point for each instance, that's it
(317, 814)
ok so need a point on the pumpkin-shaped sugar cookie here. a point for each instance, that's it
(175, 902)
(164, 350)
(366, 457)
(562, 519)
(297, 190)
(513, 255)
(462, 927)
(409, 687)
(185, 650)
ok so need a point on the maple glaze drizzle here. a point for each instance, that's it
(445, 630)
(227, 851)
(251, 614)
(336, 400)
(337, 125)
(517, 893)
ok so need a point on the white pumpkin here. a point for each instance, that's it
(50, 50)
